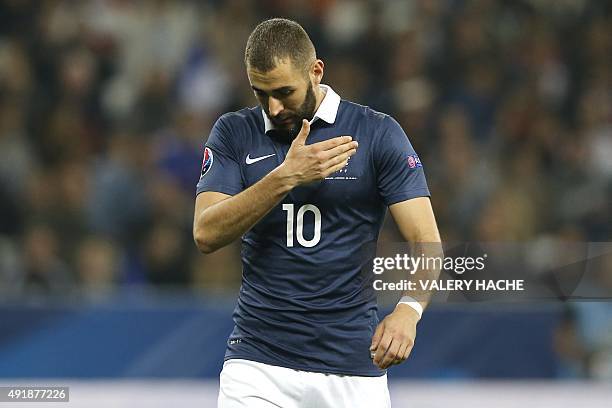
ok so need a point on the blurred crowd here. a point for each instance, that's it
(105, 107)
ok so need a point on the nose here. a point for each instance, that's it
(275, 106)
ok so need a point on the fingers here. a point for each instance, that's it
(338, 150)
(390, 356)
(337, 163)
(381, 350)
(300, 139)
(407, 351)
(377, 336)
(331, 143)
(389, 348)
(403, 353)
(339, 159)
(319, 160)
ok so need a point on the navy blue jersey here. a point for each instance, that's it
(306, 300)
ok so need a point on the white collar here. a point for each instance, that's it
(328, 109)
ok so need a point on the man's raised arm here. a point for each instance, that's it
(221, 218)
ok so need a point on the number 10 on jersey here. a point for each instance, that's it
(299, 225)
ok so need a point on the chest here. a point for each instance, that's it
(354, 184)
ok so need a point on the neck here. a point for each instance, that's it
(319, 95)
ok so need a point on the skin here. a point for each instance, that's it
(395, 335)
(220, 219)
(283, 98)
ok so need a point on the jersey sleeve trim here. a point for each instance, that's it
(407, 195)
(224, 189)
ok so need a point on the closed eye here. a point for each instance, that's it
(285, 92)
(277, 93)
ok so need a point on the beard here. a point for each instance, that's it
(286, 132)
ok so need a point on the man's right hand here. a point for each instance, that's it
(307, 163)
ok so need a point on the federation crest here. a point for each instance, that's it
(207, 161)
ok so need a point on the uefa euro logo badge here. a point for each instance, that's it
(207, 161)
(414, 161)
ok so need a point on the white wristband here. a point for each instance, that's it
(407, 300)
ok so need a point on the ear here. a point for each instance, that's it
(316, 73)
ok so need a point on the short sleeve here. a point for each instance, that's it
(220, 165)
(399, 171)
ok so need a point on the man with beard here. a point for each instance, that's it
(305, 179)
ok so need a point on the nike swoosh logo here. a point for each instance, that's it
(256, 159)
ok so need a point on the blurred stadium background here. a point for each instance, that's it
(104, 110)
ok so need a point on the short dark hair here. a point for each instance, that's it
(277, 39)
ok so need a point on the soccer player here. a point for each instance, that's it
(305, 179)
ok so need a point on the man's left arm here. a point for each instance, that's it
(394, 336)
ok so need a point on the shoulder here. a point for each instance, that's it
(356, 112)
(383, 131)
(233, 130)
(241, 120)
(374, 125)
(236, 127)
